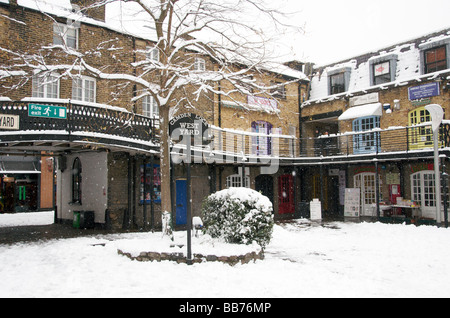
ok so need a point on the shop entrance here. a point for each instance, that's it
(264, 184)
(181, 197)
(366, 182)
(286, 194)
(19, 194)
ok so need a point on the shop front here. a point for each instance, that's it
(19, 187)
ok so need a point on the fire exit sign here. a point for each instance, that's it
(47, 111)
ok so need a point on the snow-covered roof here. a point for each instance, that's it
(126, 18)
(119, 16)
(408, 67)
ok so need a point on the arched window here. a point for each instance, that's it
(76, 181)
(420, 137)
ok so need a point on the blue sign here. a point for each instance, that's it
(423, 91)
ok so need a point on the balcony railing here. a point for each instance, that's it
(81, 122)
(112, 125)
(376, 141)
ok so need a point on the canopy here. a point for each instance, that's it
(375, 109)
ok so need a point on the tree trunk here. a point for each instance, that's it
(165, 160)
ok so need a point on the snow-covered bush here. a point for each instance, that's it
(238, 215)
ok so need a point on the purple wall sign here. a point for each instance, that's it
(423, 91)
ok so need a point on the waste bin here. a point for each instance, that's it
(87, 220)
(76, 219)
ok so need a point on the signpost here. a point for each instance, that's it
(437, 114)
(188, 126)
(47, 111)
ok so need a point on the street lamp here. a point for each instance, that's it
(437, 115)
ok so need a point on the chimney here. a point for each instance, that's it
(89, 9)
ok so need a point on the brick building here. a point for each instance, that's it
(104, 134)
(383, 92)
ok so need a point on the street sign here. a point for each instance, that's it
(9, 122)
(189, 125)
(47, 111)
(423, 91)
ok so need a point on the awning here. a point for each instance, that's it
(362, 111)
(18, 167)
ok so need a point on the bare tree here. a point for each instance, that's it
(227, 33)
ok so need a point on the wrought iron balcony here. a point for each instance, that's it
(74, 122)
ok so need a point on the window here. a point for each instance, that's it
(84, 89)
(262, 145)
(147, 188)
(366, 143)
(381, 73)
(235, 181)
(279, 91)
(337, 84)
(153, 54)
(199, 64)
(45, 86)
(76, 181)
(65, 35)
(150, 107)
(383, 68)
(435, 59)
(420, 137)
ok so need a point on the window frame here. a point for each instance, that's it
(153, 54)
(278, 92)
(235, 181)
(62, 37)
(42, 83)
(77, 181)
(366, 143)
(427, 67)
(84, 89)
(199, 64)
(337, 88)
(258, 141)
(382, 78)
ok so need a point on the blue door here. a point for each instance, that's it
(181, 217)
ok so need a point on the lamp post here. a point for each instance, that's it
(437, 114)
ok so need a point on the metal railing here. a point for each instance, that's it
(376, 141)
(84, 121)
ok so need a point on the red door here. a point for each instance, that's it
(286, 194)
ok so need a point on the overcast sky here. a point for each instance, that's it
(340, 29)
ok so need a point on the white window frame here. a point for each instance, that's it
(366, 182)
(61, 35)
(235, 181)
(153, 54)
(150, 107)
(88, 90)
(199, 64)
(45, 86)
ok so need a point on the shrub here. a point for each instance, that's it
(238, 215)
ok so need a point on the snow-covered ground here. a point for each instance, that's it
(304, 259)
